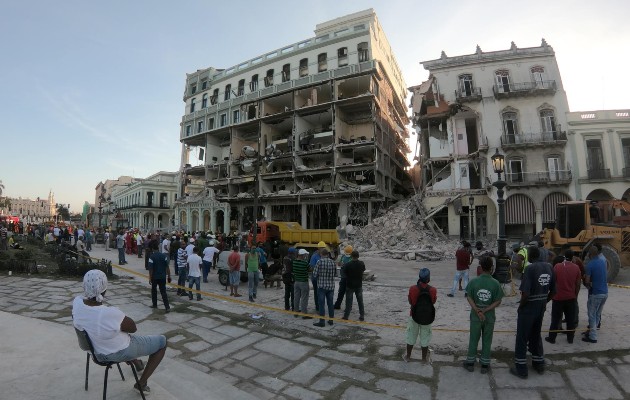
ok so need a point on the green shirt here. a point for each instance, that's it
(484, 290)
(300, 270)
(252, 262)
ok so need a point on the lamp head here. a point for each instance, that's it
(471, 201)
(498, 162)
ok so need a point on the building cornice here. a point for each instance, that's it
(480, 57)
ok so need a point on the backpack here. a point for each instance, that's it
(423, 312)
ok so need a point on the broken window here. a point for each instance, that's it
(342, 56)
(228, 92)
(503, 81)
(286, 72)
(322, 64)
(364, 53)
(204, 100)
(510, 126)
(303, 67)
(241, 87)
(192, 105)
(548, 122)
(516, 171)
(465, 85)
(214, 97)
(253, 85)
(269, 78)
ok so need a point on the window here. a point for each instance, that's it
(236, 115)
(188, 130)
(192, 105)
(510, 126)
(286, 72)
(538, 75)
(269, 78)
(595, 156)
(241, 87)
(204, 101)
(465, 85)
(321, 62)
(364, 53)
(342, 56)
(503, 81)
(210, 123)
(204, 85)
(199, 126)
(548, 124)
(625, 145)
(516, 171)
(253, 85)
(215, 96)
(228, 92)
(553, 164)
(303, 67)
(193, 88)
(223, 120)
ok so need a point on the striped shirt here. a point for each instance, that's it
(181, 257)
(300, 270)
(324, 272)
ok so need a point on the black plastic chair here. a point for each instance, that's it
(86, 345)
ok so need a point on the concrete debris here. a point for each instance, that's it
(401, 234)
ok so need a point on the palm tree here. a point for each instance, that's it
(1, 187)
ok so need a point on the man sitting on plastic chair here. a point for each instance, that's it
(110, 330)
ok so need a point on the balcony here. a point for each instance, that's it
(464, 96)
(540, 178)
(509, 90)
(599, 174)
(524, 140)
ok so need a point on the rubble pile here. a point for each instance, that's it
(401, 233)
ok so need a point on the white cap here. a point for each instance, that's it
(302, 252)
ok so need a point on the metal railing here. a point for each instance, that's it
(526, 138)
(524, 87)
(599, 173)
(466, 95)
(539, 177)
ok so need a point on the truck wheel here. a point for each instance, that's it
(224, 278)
(244, 277)
(612, 261)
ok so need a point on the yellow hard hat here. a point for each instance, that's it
(348, 250)
(321, 244)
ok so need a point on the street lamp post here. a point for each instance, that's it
(498, 164)
(471, 217)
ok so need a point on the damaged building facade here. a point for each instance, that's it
(316, 129)
(471, 106)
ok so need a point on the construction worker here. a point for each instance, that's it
(311, 264)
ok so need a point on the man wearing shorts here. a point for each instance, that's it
(234, 263)
(414, 329)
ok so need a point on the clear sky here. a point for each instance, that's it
(91, 90)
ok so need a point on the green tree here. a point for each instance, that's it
(63, 212)
(1, 187)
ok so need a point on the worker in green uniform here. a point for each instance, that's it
(484, 294)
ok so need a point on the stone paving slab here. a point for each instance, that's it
(283, 348)
(306, 370)
(404, 389)
(417, 368)
(357, 393)
(504, 379)
(591, 383)
(478, 385)
(267, 363)
(621, 373)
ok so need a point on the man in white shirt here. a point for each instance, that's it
(139, 243)
(106, 238)
(209, 254)
(194, 273)
(56, 233)
(190, 246)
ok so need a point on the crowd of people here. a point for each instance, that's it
(545, 278)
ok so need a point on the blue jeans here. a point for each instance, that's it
(252, 283)
(121, 256)
(595, 305)
(197, 281)
(181, 279)
(459, 274)
(326, 299)
(206, 269)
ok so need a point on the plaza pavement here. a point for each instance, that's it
(223, 350)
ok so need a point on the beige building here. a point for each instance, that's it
(32, 211)
(600, 143)
(511, 101)
(315, 128)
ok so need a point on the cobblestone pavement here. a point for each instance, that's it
(288, 358)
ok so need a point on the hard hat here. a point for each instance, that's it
(348, 250)
(321, 244)
(302, 252)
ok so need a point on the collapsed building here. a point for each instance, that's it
(310, 132)
(472, 106)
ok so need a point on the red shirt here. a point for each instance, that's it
(414, 292)
(234, 261)
(464, 258)
(568, 279)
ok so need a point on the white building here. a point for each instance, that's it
(32, 211)
(471, 106)
(600, 143)
(327, 112)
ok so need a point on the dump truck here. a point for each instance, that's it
(293, 234)
(581, 224)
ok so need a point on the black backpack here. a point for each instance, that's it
(423, 312)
